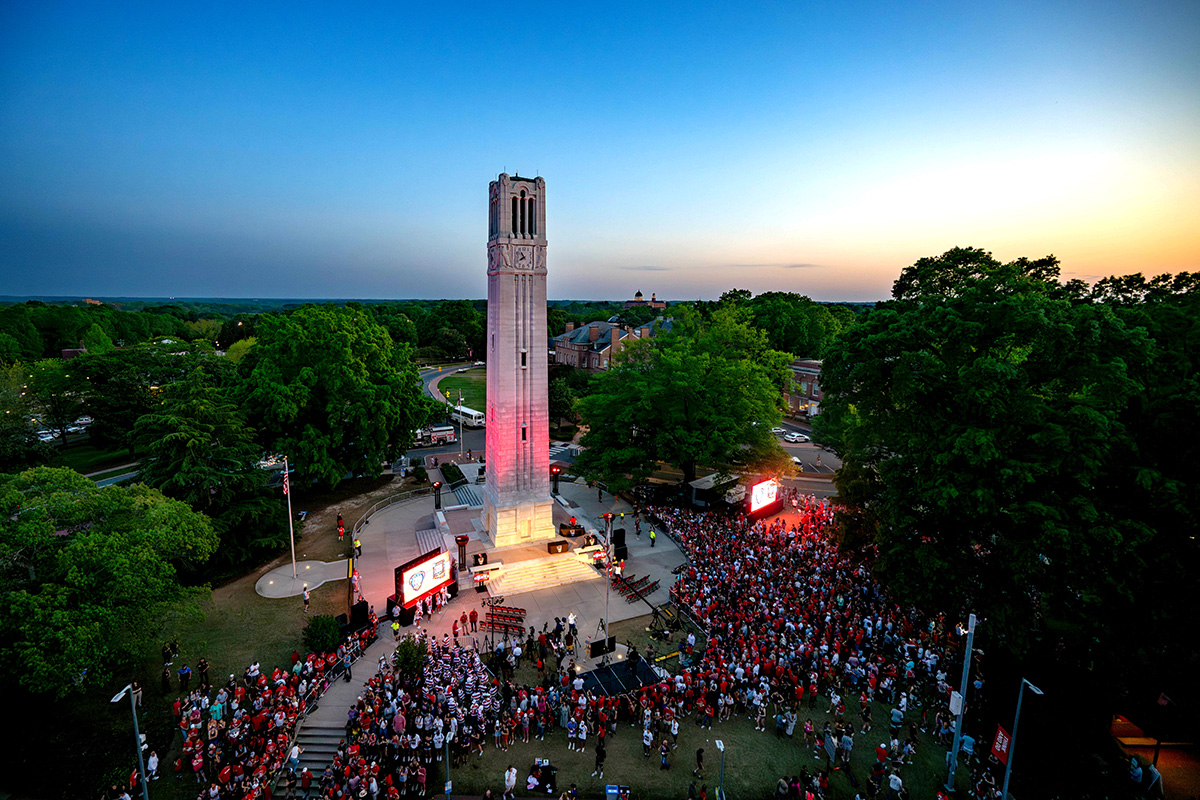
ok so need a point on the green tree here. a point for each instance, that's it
(409, 658)
(121, 386)
(239, 349)
(95, 340)
(87, 573)
(1023, 448)
(637, 316)
(331, 390)
(704, 393)
(19, 444)
(322, 634)
(451, 342)
(198, 449)
(10, 349)
(57, 390)
(561, 399)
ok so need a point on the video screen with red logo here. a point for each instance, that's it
(763, 496)
(422, 576)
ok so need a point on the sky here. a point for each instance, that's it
(335, 150)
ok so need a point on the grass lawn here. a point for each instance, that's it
(85, 457)
(473, 385)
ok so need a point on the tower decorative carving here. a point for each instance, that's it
(517, 506)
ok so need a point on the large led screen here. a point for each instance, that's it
(423, 577)
(763, 494)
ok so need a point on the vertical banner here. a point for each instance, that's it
(1000, 745)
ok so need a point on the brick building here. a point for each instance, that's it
(805, 398)
(593, 345)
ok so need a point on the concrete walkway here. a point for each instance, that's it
(279, 583)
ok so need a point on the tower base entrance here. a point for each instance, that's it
(524, 522)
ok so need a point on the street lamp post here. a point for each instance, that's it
(608, 518)
(721, 779)
(554, 472)
(137, 735)
(460, 424)
(1012, 744)
(962, 711)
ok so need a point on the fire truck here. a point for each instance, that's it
(432, 435)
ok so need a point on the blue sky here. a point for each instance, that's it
(307, 150)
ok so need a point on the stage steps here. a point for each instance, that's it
(540, 573)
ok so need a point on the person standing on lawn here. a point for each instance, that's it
(600, 754)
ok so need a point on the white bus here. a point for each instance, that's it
(467, 416)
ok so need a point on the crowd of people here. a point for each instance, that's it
(792, 630)
(236, 736)
(797, 624)
(795, 630)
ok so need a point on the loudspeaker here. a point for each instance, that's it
(619, 537)
(359, 615)
(602, 646)
(620, 552)
(556, 547)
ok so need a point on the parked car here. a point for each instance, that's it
(796, 437)
(778, 431)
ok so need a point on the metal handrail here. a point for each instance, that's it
(387, 502)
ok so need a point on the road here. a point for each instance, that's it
(814, 460)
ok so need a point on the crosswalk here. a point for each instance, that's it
(557, 450)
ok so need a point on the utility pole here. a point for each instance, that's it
(1012, 744)
(137, 736)
(962, 709)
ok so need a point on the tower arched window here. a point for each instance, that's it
(524, 207)
(516, 214)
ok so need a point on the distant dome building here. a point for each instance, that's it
(639, 300)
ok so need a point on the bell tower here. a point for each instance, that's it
(517, 506)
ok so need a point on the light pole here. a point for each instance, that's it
(137, 735)
(460, 424)
(1012, 745)
(962, 699)
(721, 779)
(554, 472)
(608, 518)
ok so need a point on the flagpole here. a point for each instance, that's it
(291, 532)
(460, 424)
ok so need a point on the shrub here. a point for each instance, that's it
(410, 656)
(452, 473)
(322, 634)
(420, 475)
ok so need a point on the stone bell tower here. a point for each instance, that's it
(517, 506)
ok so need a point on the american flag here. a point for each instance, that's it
(285, 482)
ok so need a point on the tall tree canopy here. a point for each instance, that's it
(87, 575)
(198, 449)
(328, 388)
(1025, 448)
(704, 393)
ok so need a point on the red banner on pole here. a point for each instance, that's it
(1001, 744)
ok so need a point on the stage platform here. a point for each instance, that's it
(616, 678)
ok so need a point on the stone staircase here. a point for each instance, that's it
(319, 740)
(468, 495)
(539, 573)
